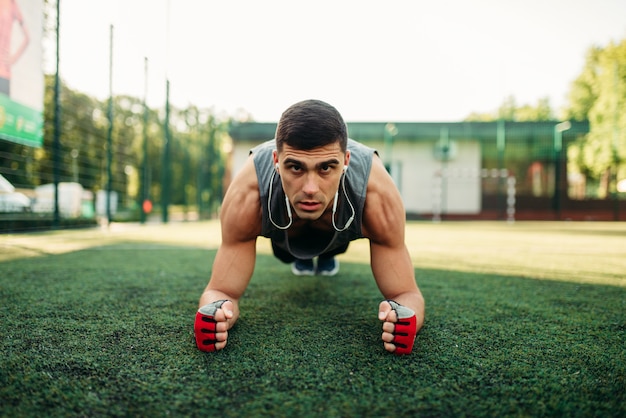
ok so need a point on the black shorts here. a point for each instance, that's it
(287, 257)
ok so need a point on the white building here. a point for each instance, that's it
(464, 169)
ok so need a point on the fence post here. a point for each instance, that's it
(165, 174)
(110, 131)
(56, 142)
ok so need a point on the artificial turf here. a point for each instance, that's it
(522, 320)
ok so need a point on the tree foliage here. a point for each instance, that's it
(599, 94)
(196, 161)
(509, 110)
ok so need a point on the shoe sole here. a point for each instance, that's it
(297, 272)
(330, 272)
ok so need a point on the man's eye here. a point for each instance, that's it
(325, 168)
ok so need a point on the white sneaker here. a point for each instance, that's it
(327, 266)
(303, 268)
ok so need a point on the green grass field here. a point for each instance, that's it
(524, 319)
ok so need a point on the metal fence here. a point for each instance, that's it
(112, 160)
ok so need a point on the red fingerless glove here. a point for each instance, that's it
(405, 330)
(204, 326)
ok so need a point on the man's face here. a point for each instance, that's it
(310, 178)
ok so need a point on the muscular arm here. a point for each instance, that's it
(384, 225)
(240, 219)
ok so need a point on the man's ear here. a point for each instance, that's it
(275, 158)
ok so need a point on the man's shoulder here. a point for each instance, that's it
(383, 213)
(353, 144)
(246, 178)
(266, 146)
(241, 209)
(262, 157)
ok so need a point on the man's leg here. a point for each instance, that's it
(282, 255)
(298, 267)
(327, 264)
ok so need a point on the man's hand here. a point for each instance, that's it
(399, 327)
(211, 326)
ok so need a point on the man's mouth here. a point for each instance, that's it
(309, 206)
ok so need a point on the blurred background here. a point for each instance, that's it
(144, 110)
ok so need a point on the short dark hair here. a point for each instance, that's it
(311, 124)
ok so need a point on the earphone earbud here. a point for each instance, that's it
(345, 168)
(277, 165)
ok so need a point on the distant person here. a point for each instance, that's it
(9, 14)
(312, 190)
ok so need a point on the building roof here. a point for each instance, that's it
(427, 131)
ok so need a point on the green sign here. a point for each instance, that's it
(19, 123)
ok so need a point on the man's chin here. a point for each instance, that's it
(309, 215)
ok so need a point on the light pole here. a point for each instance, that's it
(390, 132)
(559, 128)
(74, 155)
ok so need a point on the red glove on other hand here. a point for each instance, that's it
(204, 327)
(405, 330)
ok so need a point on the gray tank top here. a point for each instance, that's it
(356, 180)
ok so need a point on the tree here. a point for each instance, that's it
(599, 95)
(583, 91)
(197, 159)
(542, 111)
(510, 111)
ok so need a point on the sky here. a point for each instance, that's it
(393, 60)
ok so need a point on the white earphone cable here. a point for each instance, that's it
(343, 185)
(269, 209)
(347, 225)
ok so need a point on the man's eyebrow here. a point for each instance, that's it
(292, 161)
(332, 161)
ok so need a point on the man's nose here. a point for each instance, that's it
(311, 185)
